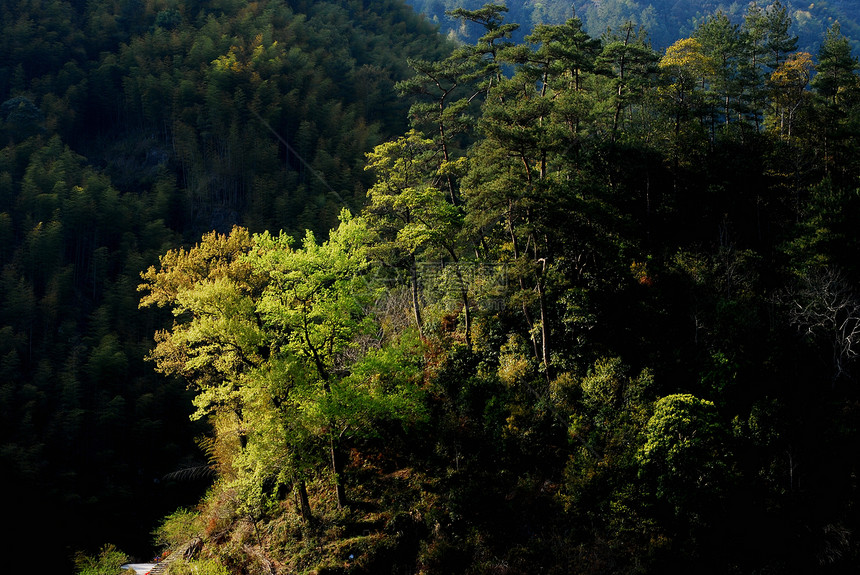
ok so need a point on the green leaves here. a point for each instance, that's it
(283, 342)
(217, 336)
(383, 386)
(317, 296)
(407, 209)
(589, 171)
(835, 79)
(684, 450)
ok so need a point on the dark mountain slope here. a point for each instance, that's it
(128, 127)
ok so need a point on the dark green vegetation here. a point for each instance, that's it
(598, 314)
(665, 20)
(127, 128)
(568, 305)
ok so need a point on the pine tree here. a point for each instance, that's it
(721, 42)
(779, 41)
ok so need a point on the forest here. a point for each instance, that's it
(666, 21)
(130, 127)
(311, 288)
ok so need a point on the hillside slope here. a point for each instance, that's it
(128, 127)
(616, 333)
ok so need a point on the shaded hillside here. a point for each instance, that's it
(129, 127)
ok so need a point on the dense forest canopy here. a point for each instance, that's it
(597, 314)
(553, 300)
(665, 20)
(129, 127)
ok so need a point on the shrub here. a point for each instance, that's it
(108, 562)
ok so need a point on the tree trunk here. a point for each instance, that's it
(467, 312)
(618, 100)
(337, 470)
(544, 329)
(416, 303)
(304, 502)
(240, 429)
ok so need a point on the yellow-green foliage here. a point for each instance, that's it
(108, 562)
(197, 567)
(177, 528)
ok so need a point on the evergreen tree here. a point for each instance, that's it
(721, 42)
(779, 41)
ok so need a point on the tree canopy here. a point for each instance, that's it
(550, 301)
